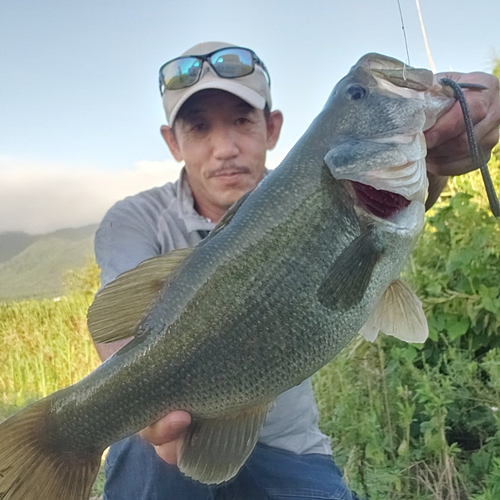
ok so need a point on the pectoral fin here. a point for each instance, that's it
(121, 304)
(215, 450)
(348, 277)
(399, 313)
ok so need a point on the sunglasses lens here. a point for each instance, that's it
(181, 73)
(232, 63)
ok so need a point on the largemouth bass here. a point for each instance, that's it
(290, 275)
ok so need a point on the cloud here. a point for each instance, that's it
(39, 198)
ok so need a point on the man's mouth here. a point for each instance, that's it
(383, 204)
(229, 171)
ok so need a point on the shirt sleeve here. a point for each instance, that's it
(125, 238)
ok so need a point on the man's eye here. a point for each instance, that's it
(242, 120)
(199, 127)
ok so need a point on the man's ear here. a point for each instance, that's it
(169, 137)
(274, 123)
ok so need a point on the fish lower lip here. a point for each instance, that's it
(383, 204)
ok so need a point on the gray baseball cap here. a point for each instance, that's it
(253, 88)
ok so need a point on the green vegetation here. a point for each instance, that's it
(45, 345)
(423, 422)
(406, 421)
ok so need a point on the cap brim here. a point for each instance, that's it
(232, 86)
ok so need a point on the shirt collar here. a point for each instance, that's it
(185, 206)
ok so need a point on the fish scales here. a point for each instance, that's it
(203, 388)
(285, 281)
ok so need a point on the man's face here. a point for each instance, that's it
(223, 142)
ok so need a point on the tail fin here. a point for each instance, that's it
(30, 470)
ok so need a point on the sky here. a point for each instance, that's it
(80, 109)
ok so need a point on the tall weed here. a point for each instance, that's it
(45, 347)
(422, 421)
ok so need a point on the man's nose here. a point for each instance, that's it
(224, 144)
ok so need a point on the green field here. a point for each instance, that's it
(406, 421)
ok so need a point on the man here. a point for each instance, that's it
(221, 124)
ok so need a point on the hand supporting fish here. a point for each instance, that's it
(290, 275)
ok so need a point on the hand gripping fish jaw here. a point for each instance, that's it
(384, 158)
(398, 155)
(474, 149)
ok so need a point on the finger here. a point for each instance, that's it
(445, 166)
(484, 108)
(476, 77)
(447, 127)
(169, 452)
(457, 152)
(452, 124)
(167, 429)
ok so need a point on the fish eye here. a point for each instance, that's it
(355, 92)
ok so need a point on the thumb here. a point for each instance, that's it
(167, 429)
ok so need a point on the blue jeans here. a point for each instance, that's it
(135, 472)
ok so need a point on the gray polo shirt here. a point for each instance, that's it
(159, 220)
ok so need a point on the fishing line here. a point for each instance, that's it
(475, 151)
(424, 35)
(406, 41)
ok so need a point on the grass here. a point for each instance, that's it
(45, 346)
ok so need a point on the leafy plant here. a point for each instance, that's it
(422, 421)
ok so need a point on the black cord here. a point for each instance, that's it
(475, 151)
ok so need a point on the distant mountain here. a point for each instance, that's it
(35, 266)
(12, 243)
(74, 234)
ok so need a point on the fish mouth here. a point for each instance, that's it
(383, 204)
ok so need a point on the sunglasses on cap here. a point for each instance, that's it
(229, 62)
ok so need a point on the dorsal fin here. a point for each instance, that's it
(399, 313)
(121, 304)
